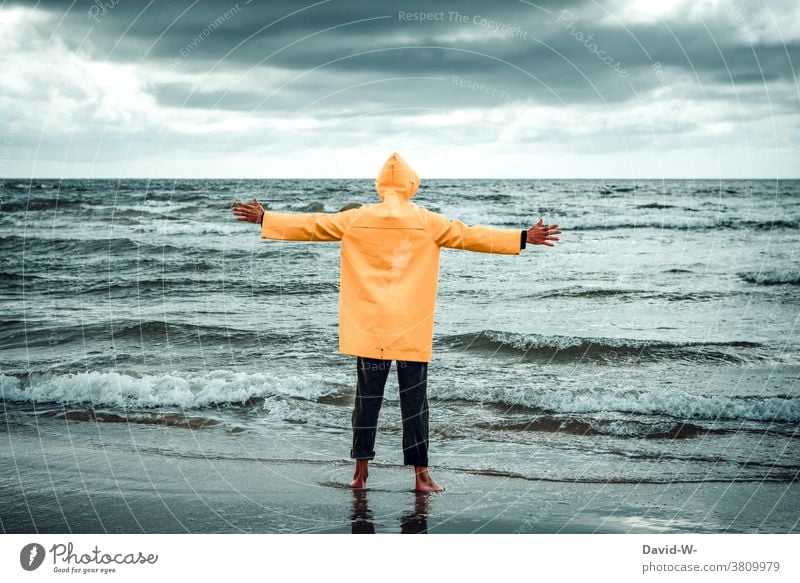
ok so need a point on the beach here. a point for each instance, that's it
(162, 369)
(80, 477)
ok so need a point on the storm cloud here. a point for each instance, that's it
(625, 88)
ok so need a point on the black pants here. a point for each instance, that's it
(413, 380)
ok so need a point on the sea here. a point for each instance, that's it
(656, 342)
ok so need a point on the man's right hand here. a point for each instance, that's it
(540, 234)
(252, 213)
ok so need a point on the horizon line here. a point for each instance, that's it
(372, 178)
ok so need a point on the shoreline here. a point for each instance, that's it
(112, 486)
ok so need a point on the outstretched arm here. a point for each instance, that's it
(482, 239)
(295, 226)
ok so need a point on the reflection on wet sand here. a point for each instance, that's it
(361, 519)
(413, 522)
(416, 521)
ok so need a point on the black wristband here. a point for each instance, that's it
(523, 239)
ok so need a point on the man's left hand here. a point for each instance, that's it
(541, 234)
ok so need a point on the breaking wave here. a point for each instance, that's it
(561, 348)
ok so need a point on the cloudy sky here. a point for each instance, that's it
(504, 88)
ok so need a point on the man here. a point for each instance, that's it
(387, 296)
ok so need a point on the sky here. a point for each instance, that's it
(461, 89)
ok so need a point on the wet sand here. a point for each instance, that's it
(96, 478)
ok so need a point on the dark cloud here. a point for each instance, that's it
(544, 58)
(344, 59)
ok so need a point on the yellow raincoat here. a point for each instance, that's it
(389, 263)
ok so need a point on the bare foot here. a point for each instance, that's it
(424, 482)
(360, 475)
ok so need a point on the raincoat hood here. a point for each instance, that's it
(396, 179)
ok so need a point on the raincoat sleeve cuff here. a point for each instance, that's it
(523, 239)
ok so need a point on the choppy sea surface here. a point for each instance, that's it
(658, 342)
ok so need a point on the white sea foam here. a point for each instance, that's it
(186, 390)
(193, 228)
(676, 403)
(278, 409)
(192, 390)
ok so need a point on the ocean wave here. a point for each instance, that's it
(589, 292)
(625, 428)
(141, 417)
(717, 190)
(539, 346)
(146, 331)
(190, 186)
(14, 279)
(171, 228)
(699, 224)
(55, 204)
(164, 286)
(140, 217)
(753, 224)
(771, 277)
(614, 428)
(674, 403)
(93, 245)
(159, 329)
(656, 205)
(185, 390)
(86, 244)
